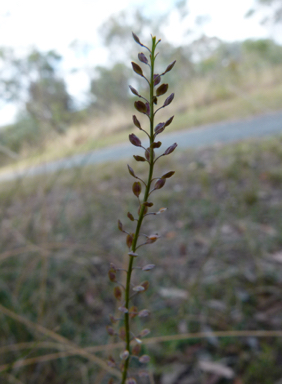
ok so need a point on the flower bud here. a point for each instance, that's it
(112, 275)
(139, 158)
(133, 312)
(145, 332)
(148, 267)
(140, 106)
(159, 128)
(137, 69)
(111, 363)
(142, 58)
(136, 188)
(159, 184)
(148, 204)
(148, 154)
(133, 254)
(136, 349)
(168, 122)
(169, 67)
(144, 313)
(123, 309)
(143, 374)
(134, 140)
(145, 284)
(162, 210)
(133, 90)
(113, 319)
(168, 175)
(130, 170)
(129, 240)
(117, 293)
(148, 109)
(130, 216)
(122, 333)
(162, 89)
(120, 226)
(156, 145)
(157, 79)
(130, 380)
(144, 359)
(168, 100)
(152, 239)
(110, 330)
(138, 288)
(136, 122)
(124, 355)
(170, 149)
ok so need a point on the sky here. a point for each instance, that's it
(55, 24)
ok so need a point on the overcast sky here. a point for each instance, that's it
(55, 24)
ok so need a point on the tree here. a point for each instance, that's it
(272, 11)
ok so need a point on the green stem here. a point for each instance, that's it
(141, 214)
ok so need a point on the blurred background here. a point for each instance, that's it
(65, 68)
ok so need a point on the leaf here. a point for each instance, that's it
(137, 69)
(136, 188)
(162, 89)
(170, 149)
(140, 106)
(168, 100)
(133, 90)
(169, 67)
(135, 140)
(136, 122)
(142, 58)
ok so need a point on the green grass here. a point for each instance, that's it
(223, 224)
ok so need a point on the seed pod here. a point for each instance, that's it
(110, 330)
(113, 267)
(148, 267)
(157, 79)
(148, 204)
(145, 332)
(170, 149)
(144, 313)
(133, 90)
(142, 58)
(162, 89)
(162, 210)
(111, 363)
(129, 241)
(156, 145)
(139, 158)
(168, 122)
(168, 100)
(136, 122)
(136, 349)
(134, 140)
(159, 184)
(145, 284)
(130, 170)
(159, 128)
(148, 109)
(120, 226)
(144, 359)
(117, 293)
(130, 216)
(122, 333)
(137, 69)
(140, 106)
(124, 355)
(136, 188)
(136, 38)
(155, 100)
(169, 67)
(168, 175)
(148, 154)
(133, 312)
(112, 276)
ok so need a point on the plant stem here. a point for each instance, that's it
(141, 214)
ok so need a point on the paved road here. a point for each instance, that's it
(259, 126)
